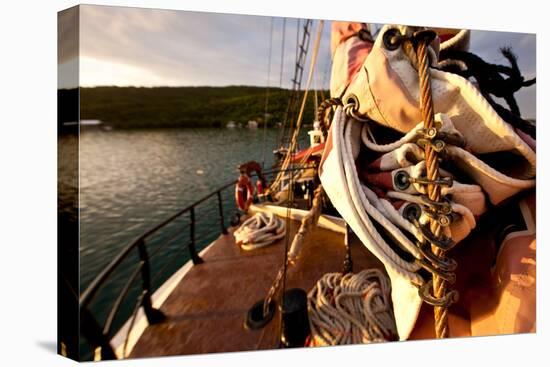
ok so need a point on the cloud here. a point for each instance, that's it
(103, 72)
(173, 47)
(179, 47)
(67, 34)
(67, 49)
(190, 48)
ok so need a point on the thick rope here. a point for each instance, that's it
(309, 222)
(351, 309)
(322, 111)
(260, 230)
(291, 255)
(432, 173)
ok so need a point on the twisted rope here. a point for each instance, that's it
(291, 255)
(351, 309)
(326, 105)
(260, 230)
(309, 222)
(432, 173)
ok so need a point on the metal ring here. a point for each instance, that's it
(442, 218)
(438, 207)
(426, 35)
(444, 243)
(428, 133)
(433, 133)
(442, 181)
(444, 263)
(401, 180)
(448, 299)
(255, 318)
(353, 100)
(392, 39)
(412, 211)
(447, 275)
(436, 144)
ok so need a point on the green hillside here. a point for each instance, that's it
(131, 107)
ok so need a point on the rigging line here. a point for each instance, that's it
(308, 84)
(290, 204)
(301, 58)
(290, 201)
(301, 50)
(282, 55)
(315, 102)
(293, 141)
(318, 85)
(267, 93)
(293, 86)
(325, 73)
(297, 37)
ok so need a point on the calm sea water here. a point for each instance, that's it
(132, 180)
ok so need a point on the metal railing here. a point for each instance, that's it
(99, 336)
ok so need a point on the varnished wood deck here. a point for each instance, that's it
(206, 311)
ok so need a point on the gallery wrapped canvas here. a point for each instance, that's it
(236, 183)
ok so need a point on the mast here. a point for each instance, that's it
(301, 54)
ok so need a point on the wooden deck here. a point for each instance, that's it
(206, 311)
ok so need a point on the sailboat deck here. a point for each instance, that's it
(206, 311)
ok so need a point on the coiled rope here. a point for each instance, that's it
(351, 309)
(260, 230)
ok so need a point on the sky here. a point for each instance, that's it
(151, 47)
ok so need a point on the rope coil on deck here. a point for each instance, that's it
(351, 309)
(260, 230)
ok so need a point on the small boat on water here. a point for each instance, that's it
(231, 125)
(411, 192)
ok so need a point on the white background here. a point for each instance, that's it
(28, 205)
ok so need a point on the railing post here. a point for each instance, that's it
(154, 316)
(220, 208)
(92, 332)
(192, 250)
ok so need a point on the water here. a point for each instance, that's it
(131, 180)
